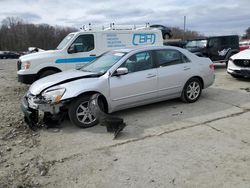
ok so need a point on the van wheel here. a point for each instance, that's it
(80, 114)
(191, 91)
(47, 73)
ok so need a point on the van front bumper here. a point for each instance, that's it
(27, 78)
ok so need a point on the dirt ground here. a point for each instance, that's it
(168, 144)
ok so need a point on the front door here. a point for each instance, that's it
(138, 86)
(81, 51)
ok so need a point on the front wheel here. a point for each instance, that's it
(191, 91)
(80, 114)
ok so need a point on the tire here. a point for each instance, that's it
(191, 91)
(47, 73)
(79, 113)
(166, 36)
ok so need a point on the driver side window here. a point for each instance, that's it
(84, 43)
(139, 62)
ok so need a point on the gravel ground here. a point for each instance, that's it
(168, 144)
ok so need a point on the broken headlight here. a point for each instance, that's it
(53, 95)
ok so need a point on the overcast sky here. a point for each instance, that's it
(209, 17)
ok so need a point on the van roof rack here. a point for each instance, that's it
(112, 26)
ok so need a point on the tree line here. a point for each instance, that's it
(17, 35)
(247, 34)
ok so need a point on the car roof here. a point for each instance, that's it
(135, 49)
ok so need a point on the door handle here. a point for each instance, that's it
(151, 75)
(186, 68)
(92, 55)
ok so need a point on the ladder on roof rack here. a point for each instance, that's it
(112, 26)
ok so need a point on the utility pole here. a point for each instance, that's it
(184, 28)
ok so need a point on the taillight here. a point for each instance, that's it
(211, 66)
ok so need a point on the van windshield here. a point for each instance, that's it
(104, 62)
(65, 41)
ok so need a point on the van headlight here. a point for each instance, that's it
(26, 65)
(53, 95)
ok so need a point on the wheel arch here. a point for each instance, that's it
(199, 78)
(48, 68)
(102, 97)
(231, 53)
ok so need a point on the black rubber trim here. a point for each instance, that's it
(27, 78)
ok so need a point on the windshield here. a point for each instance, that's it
(197, 43)
(104, 62)
(65, 41)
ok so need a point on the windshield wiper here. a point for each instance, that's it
(85, 70)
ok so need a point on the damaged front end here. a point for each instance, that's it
(43, 109)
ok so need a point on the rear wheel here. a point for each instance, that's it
(80, 114)
(192, 90)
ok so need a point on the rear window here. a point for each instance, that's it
(170, 57)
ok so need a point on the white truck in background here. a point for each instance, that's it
(82, 47)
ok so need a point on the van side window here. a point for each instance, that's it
(170, 57)
(84, 43)
(139, 62)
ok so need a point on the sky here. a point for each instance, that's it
(208, 17)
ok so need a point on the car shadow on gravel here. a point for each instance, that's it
(141, 119)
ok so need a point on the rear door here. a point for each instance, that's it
(174, 69)
(136, 87)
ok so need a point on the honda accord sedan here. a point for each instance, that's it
(124, 78)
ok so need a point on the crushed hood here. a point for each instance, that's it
(59, 78)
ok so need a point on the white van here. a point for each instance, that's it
(82, 47)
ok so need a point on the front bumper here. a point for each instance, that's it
(31, 116)
(36, 114)
(239, 72)
(27, 78)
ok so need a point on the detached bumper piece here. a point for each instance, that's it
(30, 115)
(113, 124)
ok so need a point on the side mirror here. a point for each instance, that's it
(121, 71)
(72, 49)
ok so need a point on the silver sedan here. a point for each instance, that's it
(125, 78)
